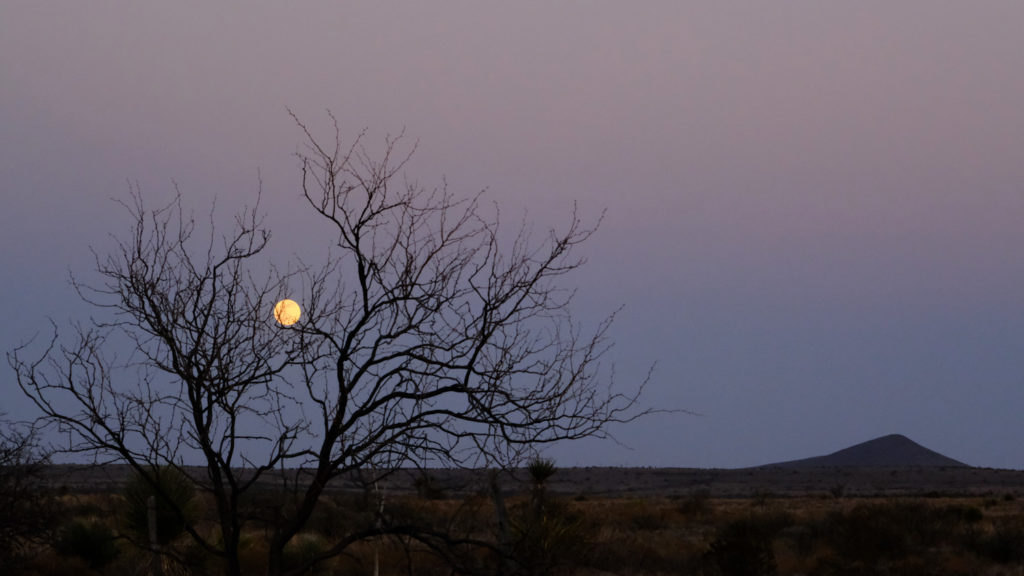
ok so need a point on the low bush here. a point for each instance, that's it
(743, 548)
(92, 541)
(1004, 544)
(696, 503)
(543, 543)
(304, 547)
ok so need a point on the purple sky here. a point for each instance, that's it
(815, 211)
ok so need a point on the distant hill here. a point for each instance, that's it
(892, 451)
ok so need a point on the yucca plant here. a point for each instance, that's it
(540, 470)
(174, 495)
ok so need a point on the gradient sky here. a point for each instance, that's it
(815, 210)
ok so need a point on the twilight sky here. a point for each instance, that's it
(815, 210)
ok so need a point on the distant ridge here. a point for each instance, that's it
(892, 451)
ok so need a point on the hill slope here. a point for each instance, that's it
(892, 451)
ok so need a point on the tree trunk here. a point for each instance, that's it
(232, 565)
(156, 561)
(504, 539)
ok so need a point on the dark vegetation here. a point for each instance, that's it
(27, 510)
(691, 531)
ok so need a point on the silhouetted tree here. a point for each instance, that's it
(27, 511)
(429, 335)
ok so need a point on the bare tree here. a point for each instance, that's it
(26, 508)
(428, 336)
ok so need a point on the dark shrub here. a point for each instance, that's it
(542, 544)
(964, 514)
(878, 537)
(428, 488)
(1005, 544)
(697, 503)
(91, 541)
(874, 531)
(838, 491)
(743, 548)
(304, 547)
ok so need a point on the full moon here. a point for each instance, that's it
(287, 312)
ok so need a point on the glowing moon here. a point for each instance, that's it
(287, 312)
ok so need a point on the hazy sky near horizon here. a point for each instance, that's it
(814, 210)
